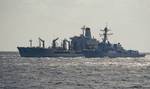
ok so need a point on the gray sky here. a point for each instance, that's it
(21, 20)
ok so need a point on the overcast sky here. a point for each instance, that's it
(22, 20)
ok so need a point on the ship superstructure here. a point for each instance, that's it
(69, 48)
(80, 46)
(107, 49)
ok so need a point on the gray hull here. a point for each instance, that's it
(92, 54)
(45, 52)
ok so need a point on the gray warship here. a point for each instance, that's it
(107, 49)
(69, 48)
(80, 46)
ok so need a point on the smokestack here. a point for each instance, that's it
(88, 33)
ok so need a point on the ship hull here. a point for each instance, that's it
(45, 52)
(95, 54)
(49, 52)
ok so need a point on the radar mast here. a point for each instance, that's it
(105, 34)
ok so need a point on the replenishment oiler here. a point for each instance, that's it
(79, 46)
(69, 48)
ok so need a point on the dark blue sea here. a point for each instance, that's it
(73, 73)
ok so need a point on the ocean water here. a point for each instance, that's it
(73, 73)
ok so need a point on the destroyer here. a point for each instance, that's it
(107, 49)
(72, 48)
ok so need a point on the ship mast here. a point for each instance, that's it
(43, 42)
(105, 34)
(30, 43)
(83, 29)
(54, 42)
